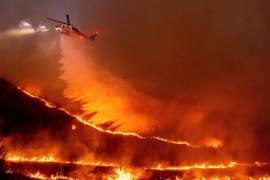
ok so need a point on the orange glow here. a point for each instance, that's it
(73, 127)
(52, 159)
(123, 175)
(80, 119)
(127, 174)
(198, 166)
(38, 175)
(17, 158)
(99, 90)
(33, 89)
(213, 142)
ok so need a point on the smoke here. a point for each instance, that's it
(183, 70)
(29, 56)
(104, 97)
(16, 32)
(24, 28)
(197, 71)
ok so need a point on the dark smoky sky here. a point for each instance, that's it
(160, 46)
(210, 53)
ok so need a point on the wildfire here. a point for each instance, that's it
(38, 175)
(80, 119)
(51, 159)
(16, 158)
(198, 166)
(127, 174)
(213, 142)
(123, 175)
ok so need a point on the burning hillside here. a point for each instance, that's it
(45, 141)
(31, 128)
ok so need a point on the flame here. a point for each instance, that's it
(17, 158)
(51, 159)
(213, 142)
(197, 166)
(85, 122)
(38, 175)
(123, 175)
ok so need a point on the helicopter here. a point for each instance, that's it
(67, 29)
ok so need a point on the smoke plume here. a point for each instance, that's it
(24, 28)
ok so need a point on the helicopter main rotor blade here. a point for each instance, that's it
(55, 20)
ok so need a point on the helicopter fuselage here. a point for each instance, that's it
(66, 29)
